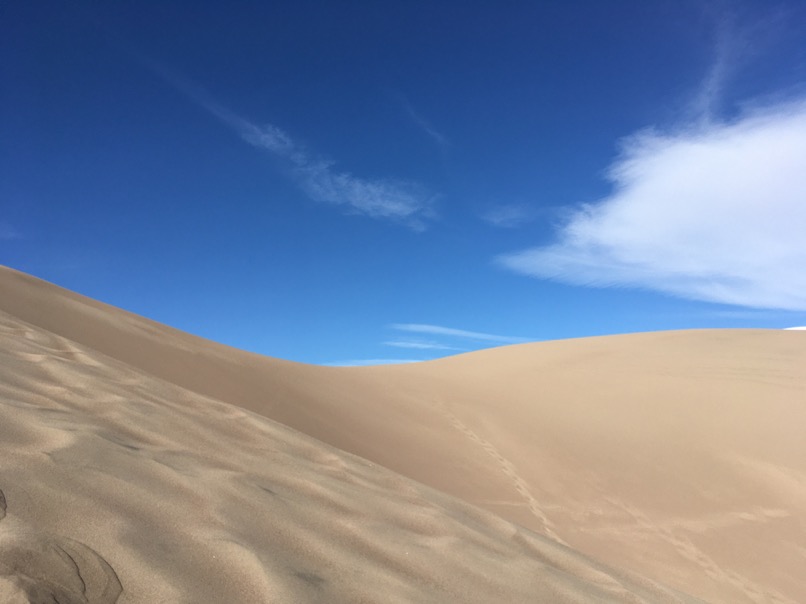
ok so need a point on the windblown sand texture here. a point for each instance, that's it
(142, 464)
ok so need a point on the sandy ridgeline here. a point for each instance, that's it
(142, 464)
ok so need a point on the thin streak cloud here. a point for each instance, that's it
(8, 233)
(509, 216)
(420, 345)
(707, 103)
(457, 333)
(397, 200)
(370, 362)
(440, 139)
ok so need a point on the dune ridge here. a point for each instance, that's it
(676, 455)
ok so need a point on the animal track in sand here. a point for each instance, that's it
(687, 549)
(509, 470)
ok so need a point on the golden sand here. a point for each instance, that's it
(142, 464)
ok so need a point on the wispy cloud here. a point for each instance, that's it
(398, 200)
(8, 232)
(713, 213)
(750, 314)
(510, 216)
(437, 137)
(707, 101)
(742, 35)
(460, 340)
(370, 362)
(438, 330)
(421, 345)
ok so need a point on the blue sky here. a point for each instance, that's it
(357, 182)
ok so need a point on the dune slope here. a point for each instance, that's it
(116, 486)
(676, 455)
(119, 486)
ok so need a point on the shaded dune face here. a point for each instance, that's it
(122, 487)
(675, 455)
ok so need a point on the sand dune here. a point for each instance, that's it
(142, 464)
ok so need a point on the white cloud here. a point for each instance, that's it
(456, 333)
(510, 215)
(7, 232)
(369, 362)
(440, 139)
(379, 198)
(421, 345)
(795, 328)
(397, 200)
(715, 213)
(726, 58)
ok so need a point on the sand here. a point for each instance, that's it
(142, 464)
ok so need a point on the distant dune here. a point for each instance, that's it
(143, 464)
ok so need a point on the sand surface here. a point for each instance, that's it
(142, 464)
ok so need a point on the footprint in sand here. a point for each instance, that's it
(38, 568)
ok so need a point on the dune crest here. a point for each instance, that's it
(675, 455)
